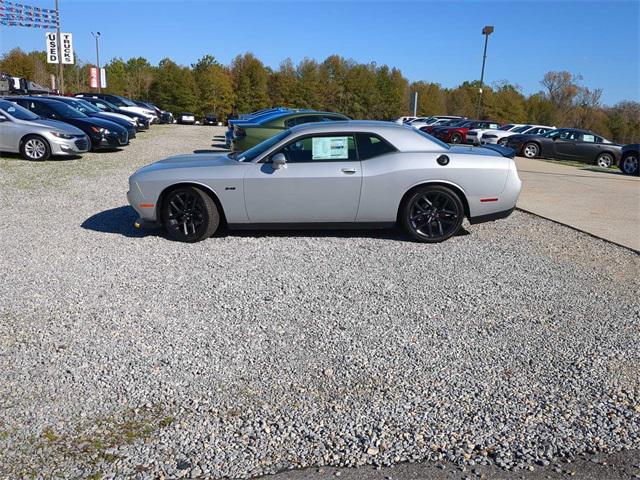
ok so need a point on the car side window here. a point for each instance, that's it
(322, 148)
(292, 122)
(370, 145)
(41, 110)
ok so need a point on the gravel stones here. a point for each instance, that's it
(128, 354)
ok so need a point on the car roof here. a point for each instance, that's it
(404, 137)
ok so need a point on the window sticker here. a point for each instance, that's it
(588, 138)
(330, 148)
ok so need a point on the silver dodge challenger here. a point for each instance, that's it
(351, 173)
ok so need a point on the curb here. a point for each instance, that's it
(637, 252)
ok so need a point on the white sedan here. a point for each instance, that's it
(500, 137)
(474, 136)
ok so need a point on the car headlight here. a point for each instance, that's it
(67, 136)
(104, 131)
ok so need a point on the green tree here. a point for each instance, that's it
(506, 104)
(392, 91)
(214, 87)
(250, 83)
(174, 88)
(283, 85)
(431, 99)
(117, 78)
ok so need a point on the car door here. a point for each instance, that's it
(587, 146)
(9, 134)
(565, 144)
(320, 182)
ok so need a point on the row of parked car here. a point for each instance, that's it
(38, 126)
(531, 141)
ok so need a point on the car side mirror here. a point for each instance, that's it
(278, 161)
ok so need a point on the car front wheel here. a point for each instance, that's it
(530, 150)
(604, 160)
(432, 214)
(35, 148)
(189, 214)
(629, 165)
(502, 142)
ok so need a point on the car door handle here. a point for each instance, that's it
(348, 170)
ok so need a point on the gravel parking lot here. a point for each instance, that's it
(123, 353)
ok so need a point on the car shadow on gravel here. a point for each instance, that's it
(120, 221)
(116, 220)
(53, 158)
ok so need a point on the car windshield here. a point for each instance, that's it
(524, 128)
(84, 107)
(433, 139)
(16, 111)
(64, 110)
(252, 153)
(506, 127)
(127, 102)
(552, 133)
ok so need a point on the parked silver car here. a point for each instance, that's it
(363, 173)
(36, 138)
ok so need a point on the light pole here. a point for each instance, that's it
(59, 42)
(486, 31)
(97, 37)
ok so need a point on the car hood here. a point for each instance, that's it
(99, 122)
(190, 161)
(61, 126)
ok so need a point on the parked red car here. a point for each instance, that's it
(458, 133)
(430, 128)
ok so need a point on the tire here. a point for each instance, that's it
(35, 148)
(432, 214)
(630, 164)
(530, 150)
(456, 138)
(189, 214)
(503, 142)
(604, 160)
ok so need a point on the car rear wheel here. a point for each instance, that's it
(35, 148)
(502, 142)
(456, 138)
(604, 160)
(629, 165)
(530, 150)
(432, 214)
(189, 215)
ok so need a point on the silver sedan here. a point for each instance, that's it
(354, 173)
(36, 138)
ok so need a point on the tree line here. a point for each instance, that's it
(359, 90)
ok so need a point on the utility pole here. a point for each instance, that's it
(59, 42)
(97, 37)
(486, 31)
(415, 103)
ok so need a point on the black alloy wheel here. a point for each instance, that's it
(432, 214)
(189, 214)
(630, 165)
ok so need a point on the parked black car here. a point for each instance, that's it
(567, 144)
(103, 133)
(163, 116)
(628, 163)
(94, 112)
(106, 106)
(210, 119)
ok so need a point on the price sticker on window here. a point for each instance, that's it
(330, 148)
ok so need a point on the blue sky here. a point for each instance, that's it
(428, 40)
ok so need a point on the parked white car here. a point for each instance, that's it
(500, 137)
(475, 136)
(403, 120)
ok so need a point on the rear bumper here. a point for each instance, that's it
(491, 216)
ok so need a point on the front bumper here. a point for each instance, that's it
(111, 140)
(72, 146)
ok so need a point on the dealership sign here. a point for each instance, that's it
(95, 77)
(66, 48)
